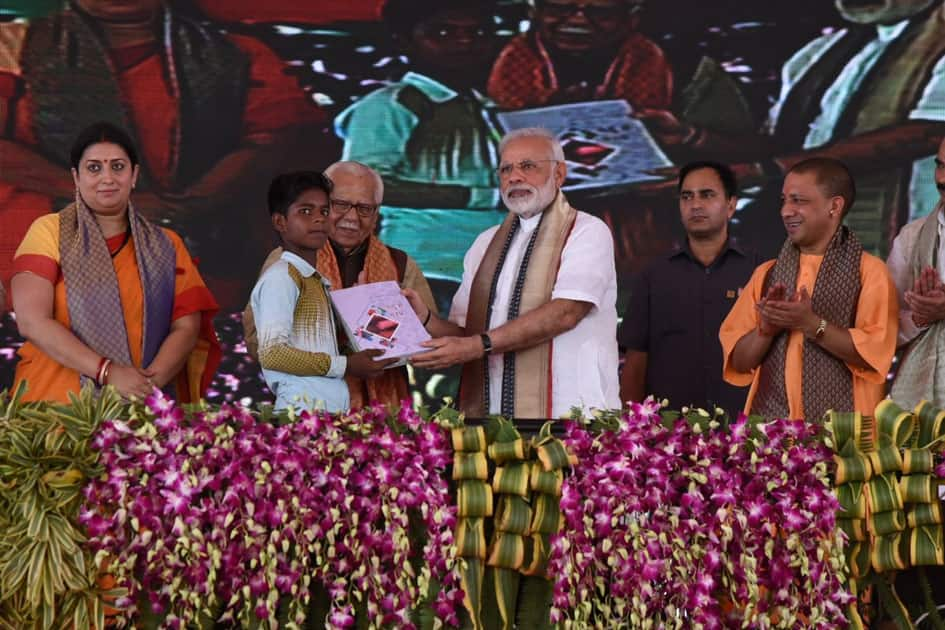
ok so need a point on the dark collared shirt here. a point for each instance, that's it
(676, 308)
(350, 264)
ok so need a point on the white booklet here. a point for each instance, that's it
(605, 147)
(378, 316)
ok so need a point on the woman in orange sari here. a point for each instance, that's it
(103, 296)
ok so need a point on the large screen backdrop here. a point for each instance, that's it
(229, 93)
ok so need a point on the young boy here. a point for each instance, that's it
(298, 347)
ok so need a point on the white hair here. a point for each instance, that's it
(557, 152)
(359, 169)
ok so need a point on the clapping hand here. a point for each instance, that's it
(926, 300)
(766, 326)
(779, 311)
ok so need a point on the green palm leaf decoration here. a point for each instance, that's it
(47, 578)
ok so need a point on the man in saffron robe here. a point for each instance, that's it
(815, 329)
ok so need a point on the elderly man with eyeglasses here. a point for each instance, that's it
(582, 50)
(534, 320)
(355, 255)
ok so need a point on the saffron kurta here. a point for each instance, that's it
(874, 333)
(50, 380)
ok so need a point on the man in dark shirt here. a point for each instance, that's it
(670, 330)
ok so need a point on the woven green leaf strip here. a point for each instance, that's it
(513, 515)
(852, 441)
(892, 471)
(505, 580)
(919, 433)
(474, 500)
(920, 488)
(547, 477)
(887, 520)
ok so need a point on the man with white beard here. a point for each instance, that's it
(534, 320)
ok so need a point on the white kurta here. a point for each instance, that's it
(899, 261)
(584, 359)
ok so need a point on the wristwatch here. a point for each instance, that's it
(821, 328)
(486, 344)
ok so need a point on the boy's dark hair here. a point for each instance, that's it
(286, 188)
(401, 16)
(833, 178)
(724, 172)
(102, 132)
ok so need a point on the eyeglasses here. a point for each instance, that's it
(340, 206)
(527, 167)
(593, 12)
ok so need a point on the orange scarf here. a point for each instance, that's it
(391, 387)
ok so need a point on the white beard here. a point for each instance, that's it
(531, 205)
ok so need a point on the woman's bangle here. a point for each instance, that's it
(429, 315)
(101, 368)
(108, 367)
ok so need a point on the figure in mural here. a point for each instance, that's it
(917, 266)
(871, 94)
(815, 329)
(212, 113)
(546, 274)
(679, 301)
(428, 134)
(581, 51)
(355, 255)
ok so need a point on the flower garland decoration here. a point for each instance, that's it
(683, 523)
(219, 514)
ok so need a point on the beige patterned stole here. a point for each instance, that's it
(921, 374)
(531, 389)
(827, 382)
(92, 294)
